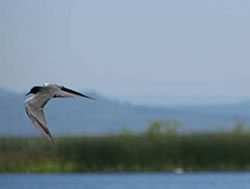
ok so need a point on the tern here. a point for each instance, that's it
(42, 94)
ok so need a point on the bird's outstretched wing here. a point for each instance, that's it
(37, 117)
(65, 92)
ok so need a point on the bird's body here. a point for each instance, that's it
(35, 104)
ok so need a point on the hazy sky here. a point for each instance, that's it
(129, 48)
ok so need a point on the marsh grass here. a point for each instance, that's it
(153, 150)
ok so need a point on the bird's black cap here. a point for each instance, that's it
(34, 90)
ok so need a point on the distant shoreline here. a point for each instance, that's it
(128, 152)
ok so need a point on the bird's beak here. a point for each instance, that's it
(27, 94)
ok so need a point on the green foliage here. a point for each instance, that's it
(157, 128)
(125, 131)
(239, 128)
(160, 148)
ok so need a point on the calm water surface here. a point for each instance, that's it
(127, 181)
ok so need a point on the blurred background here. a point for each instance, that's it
(164, 73)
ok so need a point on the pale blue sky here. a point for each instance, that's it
(128, 49)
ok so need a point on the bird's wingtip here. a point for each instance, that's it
(50, 138)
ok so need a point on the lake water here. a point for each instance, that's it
(127, 181)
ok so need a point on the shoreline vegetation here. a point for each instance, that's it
(160, 148)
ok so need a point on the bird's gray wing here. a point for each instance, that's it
(37, 117)
(65, 92)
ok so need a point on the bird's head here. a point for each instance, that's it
(34, 90)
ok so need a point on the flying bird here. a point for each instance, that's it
(42, 94)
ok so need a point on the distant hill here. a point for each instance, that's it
(80, 116)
